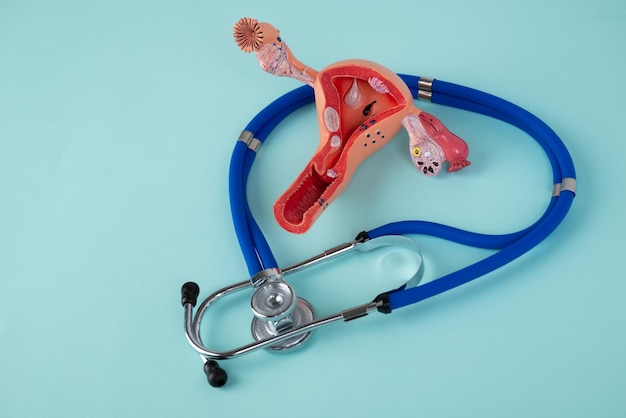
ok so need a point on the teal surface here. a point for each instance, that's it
(117, 120)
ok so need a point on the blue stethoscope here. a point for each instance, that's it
(283, 321)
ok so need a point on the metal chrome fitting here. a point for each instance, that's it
(266, 276)
(248, 138)
(568, 183)
(425, 88)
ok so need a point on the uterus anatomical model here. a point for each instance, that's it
(360, 107)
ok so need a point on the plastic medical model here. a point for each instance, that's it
(361, 106)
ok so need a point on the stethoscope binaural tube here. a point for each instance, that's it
(257, 254)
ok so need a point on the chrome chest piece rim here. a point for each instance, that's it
(301, 314)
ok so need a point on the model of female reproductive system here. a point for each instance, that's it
(360, 106)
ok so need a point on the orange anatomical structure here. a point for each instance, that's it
(360, 106)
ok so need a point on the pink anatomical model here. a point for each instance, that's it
(360, 106)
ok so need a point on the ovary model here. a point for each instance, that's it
(360, 106)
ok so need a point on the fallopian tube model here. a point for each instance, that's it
(360, 106)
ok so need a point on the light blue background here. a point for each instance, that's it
(117, 119)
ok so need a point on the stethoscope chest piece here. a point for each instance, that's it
(277, 310)
(302, 314)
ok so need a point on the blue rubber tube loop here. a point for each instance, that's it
(473, 239)
(250, 235)
(255, 249)
(238, 209)
(524, 117)
(258, 254)
(263, 249)
(413, 295)
(492, 108)
(452, 101)
(261, 245)
(468, 98)
(446, 232)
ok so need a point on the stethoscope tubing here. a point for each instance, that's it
(254, 246)
(562, 164)
(256, 250)
(504, 256)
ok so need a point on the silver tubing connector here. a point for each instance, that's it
(266, 276)
(425, 88)
(251, 142)
(568, 184)
(359, 311)
(245, 137)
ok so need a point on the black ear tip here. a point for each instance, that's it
(189, 293)
(216, 376)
